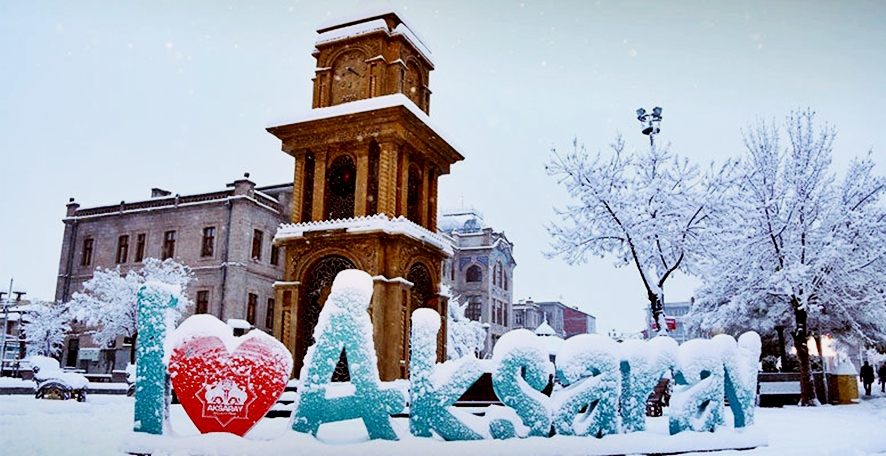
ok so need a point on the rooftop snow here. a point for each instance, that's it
(366, 13)
(360, 106)
(367, 224)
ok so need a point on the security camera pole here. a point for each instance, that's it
(650, 122)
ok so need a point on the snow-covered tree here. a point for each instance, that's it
(646, 209)
(464, 337)
(45, 327)
(109, 301)
(799, 249)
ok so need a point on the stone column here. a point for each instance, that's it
(362, 182)
(298, 186)
(387, 178)
(320, 185)
(403, 181)
(390, 322)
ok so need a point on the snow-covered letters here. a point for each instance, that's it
(344, 324)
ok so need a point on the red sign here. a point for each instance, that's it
(227, 392)
(670, 321)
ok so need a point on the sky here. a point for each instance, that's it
(101, 101)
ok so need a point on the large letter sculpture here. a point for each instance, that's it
(697, 403)
(151, 384)
(642, 365)
(344, 324)
(521, 369)
(435, 388)
(588, 368)
(740, 361)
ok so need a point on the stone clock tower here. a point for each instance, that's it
(365, 194)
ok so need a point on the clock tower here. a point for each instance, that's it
(367, 163)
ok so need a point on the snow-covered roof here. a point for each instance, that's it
(368, 17)
(366, 224)
(544, 329)
(463, 222)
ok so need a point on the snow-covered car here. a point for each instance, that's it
(54, 383)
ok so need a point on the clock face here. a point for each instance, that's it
(349, 77)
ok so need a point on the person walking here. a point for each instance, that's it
(882, 374)
(867, 377)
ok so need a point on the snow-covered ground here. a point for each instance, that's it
(102, 424)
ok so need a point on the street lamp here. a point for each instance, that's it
(650, 122)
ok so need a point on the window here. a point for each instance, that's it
(168, 245)
(474, 274)
(307, 205)
(275, 255)
(269, 314)
(413, 195)
(340, 188)
(473, 309)
(257, 236)
(518, 319)
(122, 249)
(202, 302)
(86, 255)
(140, 247)
(250, 308)
(208, 245)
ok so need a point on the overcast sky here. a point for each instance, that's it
(101, 101)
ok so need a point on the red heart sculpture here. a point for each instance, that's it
(228, 392)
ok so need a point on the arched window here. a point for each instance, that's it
(340, 187)
(307, 199)
(413, 195)
(422, 290)
(315, 288)
(474, 274)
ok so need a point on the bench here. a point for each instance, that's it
(778, 389)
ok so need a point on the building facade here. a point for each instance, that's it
(564, 320)
(480, 271)
(224, 237)
(367, 161)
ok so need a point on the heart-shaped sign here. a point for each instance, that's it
(227, 387)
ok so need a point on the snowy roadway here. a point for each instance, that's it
(97, 427)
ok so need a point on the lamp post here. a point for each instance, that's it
(650, 122)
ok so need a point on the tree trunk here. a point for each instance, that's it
(132, 349)
(656, 304)
(801, 335)
(782, 355)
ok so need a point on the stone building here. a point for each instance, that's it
(367, 160)
(480, 271)
(564, 320)
(223, 236)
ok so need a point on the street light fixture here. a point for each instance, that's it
(650, 122)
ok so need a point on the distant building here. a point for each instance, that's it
(223, 236)
(11, 318)
(675, 315)
(480, 271)
(564, 320)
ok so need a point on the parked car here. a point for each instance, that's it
(55, 383)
